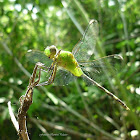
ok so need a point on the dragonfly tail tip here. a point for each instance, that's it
(127, 108)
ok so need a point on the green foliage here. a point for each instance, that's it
(79, 109)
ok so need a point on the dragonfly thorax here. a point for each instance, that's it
(51, 51)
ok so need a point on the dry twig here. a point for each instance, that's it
(25, 102)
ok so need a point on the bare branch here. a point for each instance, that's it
(25, 102)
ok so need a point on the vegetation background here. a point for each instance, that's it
(76, 111)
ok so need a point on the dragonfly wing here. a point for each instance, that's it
(35, 56)
(100, 69)
(85, 48)
(63, 77)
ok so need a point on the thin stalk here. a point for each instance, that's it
(107, 118)
(4, 45)
(121, 5)
(13, 118)
(70, 12)
(80, 8)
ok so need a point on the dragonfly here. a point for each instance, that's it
(73, 62)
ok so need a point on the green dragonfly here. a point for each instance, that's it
(73, 63)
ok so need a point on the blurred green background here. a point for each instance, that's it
(78, 110)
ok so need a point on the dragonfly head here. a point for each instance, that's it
(50, 51)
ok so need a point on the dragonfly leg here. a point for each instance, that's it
(57, 55)
(53, 67)
(51, 78)
(43, 70)
(32, 81)
(38, 78)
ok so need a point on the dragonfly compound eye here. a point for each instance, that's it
(52, 50)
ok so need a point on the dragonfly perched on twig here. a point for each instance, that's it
(73, 62)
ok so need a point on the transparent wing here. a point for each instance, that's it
(100, 69)
(35, 56)
(63, 77)
(85, 48)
